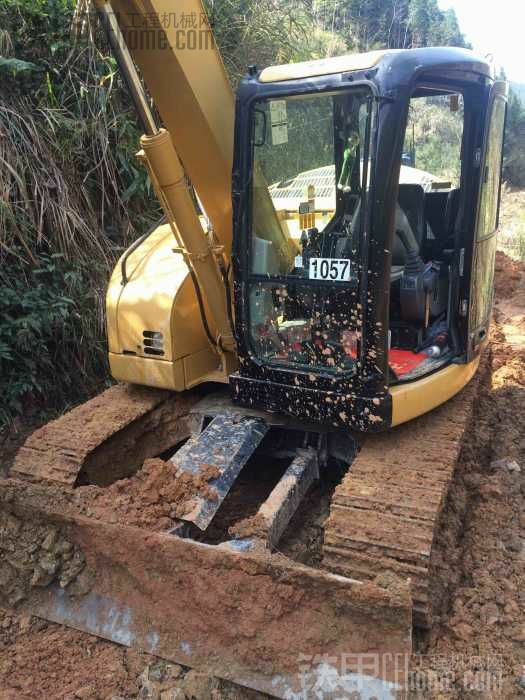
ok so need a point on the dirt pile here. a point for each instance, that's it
(173, 682)
(255, 526)
(153, 498)
(39, 659)
(508, 276)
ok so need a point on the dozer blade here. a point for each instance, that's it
(251, 617)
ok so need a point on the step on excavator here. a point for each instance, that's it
(324, 308)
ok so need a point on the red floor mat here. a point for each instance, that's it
(404, 361)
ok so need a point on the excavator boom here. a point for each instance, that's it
(186, 79)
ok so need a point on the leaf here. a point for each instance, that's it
(16, 65)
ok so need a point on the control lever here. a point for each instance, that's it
(417, 284)
(414, 264)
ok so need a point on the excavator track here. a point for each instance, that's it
(106, 438)
(384, 515)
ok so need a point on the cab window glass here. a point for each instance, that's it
(488, 208)
(310, 180)
(482, 286)
(432, 147)
(308, 154)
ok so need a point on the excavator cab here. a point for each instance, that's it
(363, 292)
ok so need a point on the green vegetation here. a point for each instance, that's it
(520, 238)
(41, 333)
(519, 90)
(71, 199)
(514, 153)
(433, 137)
(264, 32)
(514, 243)
(72, 196)
(372, 24)
(511, 238)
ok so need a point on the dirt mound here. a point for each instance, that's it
(255, 526)
(39, 659)
(34, 555)
(509, 274)
(154, 498)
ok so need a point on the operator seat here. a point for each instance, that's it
(402, 224)
(410, 219)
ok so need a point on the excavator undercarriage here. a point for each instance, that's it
(233, 603)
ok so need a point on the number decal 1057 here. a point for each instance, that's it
(331, 269)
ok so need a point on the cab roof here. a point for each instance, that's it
(444, 57)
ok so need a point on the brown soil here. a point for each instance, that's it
(508, 276)
(153, 498)
(43, 660)
(482, 615)
(477, 648)
(254, 526)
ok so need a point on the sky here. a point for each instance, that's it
(496, 27)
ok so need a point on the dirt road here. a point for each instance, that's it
(478, 648)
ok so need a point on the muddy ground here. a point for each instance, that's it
(481, 625)
(477, 649)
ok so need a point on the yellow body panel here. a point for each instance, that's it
(157, 276)
(323, 66)
(159, 297)
(416, 398)
(148, 371)
(197, 247)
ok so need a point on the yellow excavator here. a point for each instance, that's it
(322, 278)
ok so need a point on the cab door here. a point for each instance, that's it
(485, 237)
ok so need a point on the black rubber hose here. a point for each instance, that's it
(200, 302)
(225, 277)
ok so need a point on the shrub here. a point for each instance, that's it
(46, 359)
